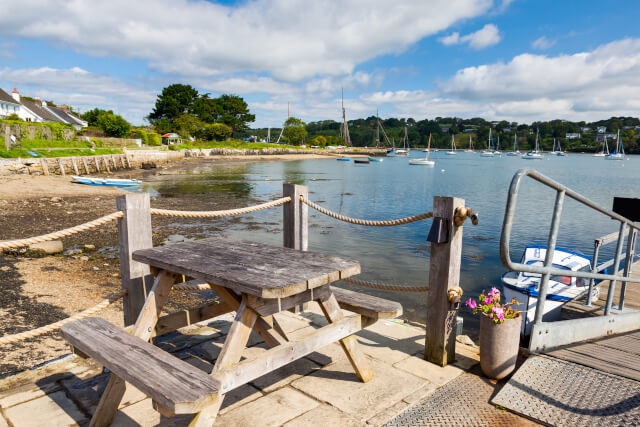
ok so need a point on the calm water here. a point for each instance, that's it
(394, 189)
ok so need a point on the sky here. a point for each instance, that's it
(515, 60)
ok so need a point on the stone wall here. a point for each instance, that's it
(26, 131)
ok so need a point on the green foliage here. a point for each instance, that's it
(13, 116)
(15, 153)
(294, 131)
(113, 125)
(178, 100)
(188, 125)
(215, 132)
(320, 141)
(91, 116)
(154, 139)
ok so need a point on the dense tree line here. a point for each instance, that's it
(181, 108)
(111, 124)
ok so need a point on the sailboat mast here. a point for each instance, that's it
(345, 127)
(377, 130)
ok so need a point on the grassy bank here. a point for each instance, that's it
(67, 152)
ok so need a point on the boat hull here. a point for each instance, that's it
(110, 182)
(417, 162)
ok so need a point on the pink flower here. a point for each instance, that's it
(497, 310)
(488, 300)
(494, 292)
(472, 303)
(501, 316)
(491, 316)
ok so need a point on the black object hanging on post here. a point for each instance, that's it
(439, 231)
(627, 207)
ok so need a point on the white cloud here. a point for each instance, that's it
(542, 43)
(584, 86)
(484, 37)
(288, 40)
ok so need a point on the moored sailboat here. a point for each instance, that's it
(489, 151)
(605, 149)
(404, 151)
(535, 154)
(619, 153)
(452, 152)
(425, 161)
(515, 151)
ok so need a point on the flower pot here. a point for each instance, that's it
(499, 343)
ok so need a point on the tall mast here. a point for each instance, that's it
(345, 127)
(377, 130)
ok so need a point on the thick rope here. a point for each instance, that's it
(368, 222)
(211, 214)
(62, 233)
(191, 287)
(386, 286)
(8, 339)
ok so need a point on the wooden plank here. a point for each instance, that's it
(96, 159)
(45, 167)
(109, 402)
(245, 371)
(134, 232)
(263, 328)
(61, 165)
(179, 319)
(444, 274)
(168, 380)
(267, 307)
(86, 166)
(295, 217)
(156, 299)
(258, 269)
(121, 156)
(75, 165)
(602, 358)
(358, 360)
(105, 160)
(367, 305)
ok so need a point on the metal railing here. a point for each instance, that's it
(546, 335)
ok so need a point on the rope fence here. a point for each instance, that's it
(8, 244)
(8, 339)
(367, 222)
(229, 212)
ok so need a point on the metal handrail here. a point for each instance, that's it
(548, 270)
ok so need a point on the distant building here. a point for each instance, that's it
(506, 130)
(171, 138)
(573, 135)
(467, 130)
(8, 105)
(602, 129)
(601, 136)
(627, 127)
(445, 130)
(585, 129)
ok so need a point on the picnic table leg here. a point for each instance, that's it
(333, 313)
(231, 353)
(112, 396)
(270, 335)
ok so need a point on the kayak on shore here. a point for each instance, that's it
(113, 182)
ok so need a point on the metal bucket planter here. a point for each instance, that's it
(499, 343)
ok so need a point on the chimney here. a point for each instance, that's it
(37, 100)
(16, 95)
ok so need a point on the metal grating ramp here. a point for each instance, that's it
(462, 402)
(557, 392)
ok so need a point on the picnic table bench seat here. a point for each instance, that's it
(169, 381)
(370, 307)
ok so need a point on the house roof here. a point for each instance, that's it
(65, 115)
(171, 135)
(5, 97)
(38, 110)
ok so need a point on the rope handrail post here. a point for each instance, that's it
(295, 217)
(134, 233)
(444, 279)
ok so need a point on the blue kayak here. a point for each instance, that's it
(112, 182)
(344, 159)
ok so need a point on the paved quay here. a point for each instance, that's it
(320, 389)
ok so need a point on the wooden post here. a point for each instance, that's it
(97, 160)
(45, 166)
(86, 166)
(121, 156)
(295, 217)
(444, 274)
(126, 157)
(134, 232)
(61, 166)
(115, 163)
(105, 159)
(75, 165)
(7, 137)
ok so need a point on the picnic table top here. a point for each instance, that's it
(258, 269)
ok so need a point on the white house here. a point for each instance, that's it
(573, 135)
(25, 113)
(602, 129)
(8, 105)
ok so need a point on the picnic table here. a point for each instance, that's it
(254, 280)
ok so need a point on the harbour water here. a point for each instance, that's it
(394, 189)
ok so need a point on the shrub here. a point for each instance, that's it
(154, 139)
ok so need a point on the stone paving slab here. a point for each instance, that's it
(324, 415)
(54, 409)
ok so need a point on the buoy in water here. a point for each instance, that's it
(442, 170)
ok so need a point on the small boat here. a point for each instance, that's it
(524, 287)
(344, 159)
(113, 182)
(489, 151)
(362, 161)
(497, 151)
(557, 149)
(535, 154)
(619, 153)
(404, 151)
(605, 149)
(375, 159)
(470, 149)
(425, 161)
(515, 151)
(452, 152)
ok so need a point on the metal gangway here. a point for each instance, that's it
(547, 335)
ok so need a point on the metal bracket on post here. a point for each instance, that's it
(439, 231)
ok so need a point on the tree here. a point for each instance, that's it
(215, 132)
(233, 111)
(294, 130)
(188, 125)
(113, 124)
(174, 100)
(92, 116)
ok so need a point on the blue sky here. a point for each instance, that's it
(518, 60)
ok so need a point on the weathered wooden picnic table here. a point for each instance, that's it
(254, 280)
